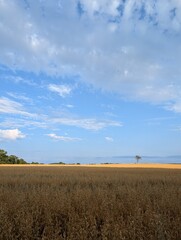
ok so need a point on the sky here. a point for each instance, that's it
(90, 78)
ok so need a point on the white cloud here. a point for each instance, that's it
(18, 122)
(19, 80)
(45, 122)
(87, 123)
(21, 118)
(11, 134)
(129, 47)
(175, 107)
(63, 138)
(18, 96)
(109, 139)
(62, 90)
(8, 106)
(101, 6)
(69, 106)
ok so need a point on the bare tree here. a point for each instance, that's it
(137, 158)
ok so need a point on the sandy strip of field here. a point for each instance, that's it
(168, 166)
(132, 165)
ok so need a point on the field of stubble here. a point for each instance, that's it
(79, 203)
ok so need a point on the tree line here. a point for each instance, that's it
(12, 159)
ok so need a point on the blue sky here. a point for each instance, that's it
(90, 78)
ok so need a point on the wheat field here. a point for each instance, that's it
(124, 165)
(81, 202)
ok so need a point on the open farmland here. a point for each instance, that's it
(38, 202)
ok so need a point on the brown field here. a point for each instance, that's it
(87, 202)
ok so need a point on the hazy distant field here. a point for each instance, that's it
(79, 203)
(132, 165)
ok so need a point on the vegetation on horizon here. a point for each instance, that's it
(12, 159)
(61, 163)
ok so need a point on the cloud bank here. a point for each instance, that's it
(129, 47)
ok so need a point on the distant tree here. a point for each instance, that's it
(12, 159)
(137, 158)
(3, 156)
(22, 161)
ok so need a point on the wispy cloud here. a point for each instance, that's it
(63, 138)
(62, 90)
(158, 120)
(18, 122)
(8, 106)
(11, 134)
(18, 96)
(109, 139)
(37, 119)
(69, 106)
(44, 122)
(175, 107)
(18, 80)
(87, 123)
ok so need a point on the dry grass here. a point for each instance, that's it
(131, 165)
(77, 203)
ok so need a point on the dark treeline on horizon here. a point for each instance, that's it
(10, 159)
